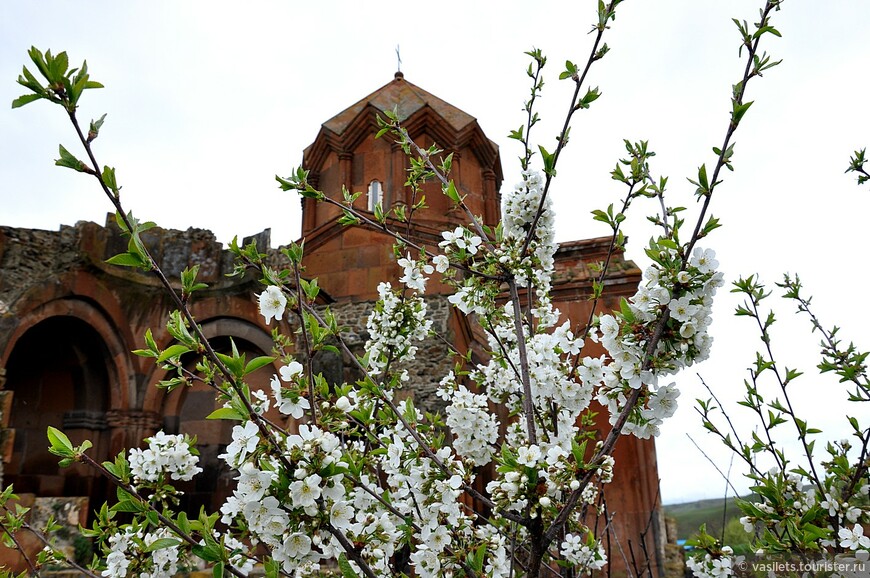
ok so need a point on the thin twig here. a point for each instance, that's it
(27, 560)
(652, 344)
(167, 522)
(709, 459)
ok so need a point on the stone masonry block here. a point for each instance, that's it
(5, 407)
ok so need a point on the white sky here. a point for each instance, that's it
(207, 101)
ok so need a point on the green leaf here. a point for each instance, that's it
(59, 443)
(131, 506)
(549, 161)
(58, 65)
(310, 288)
(149, 340)
(209, 553)
(234, 363)
(764, 29)
(477, 560)
(702, 177)
(69, 161)
(812, 533)
(183, 523)
(257, 363)
(39, 60)
(109, 179)
(591, 96)
(346, 568)
(294, 251)
(379, 212)
(126, 260)
(270, 567)
(152, 517)
(739, 111)
(218, 570)
(25, 99)
(712, 224)
(625, 310)
(225, 413)
(348, 218)
(578, 451)
(570, 70)
(618, 175)
(161, 543)
(173, 351)
(96, 125)
(600, 215)
(452, 193)
(447, 164)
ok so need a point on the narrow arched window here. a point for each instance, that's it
(376, 192)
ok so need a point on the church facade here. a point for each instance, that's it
(68, 320)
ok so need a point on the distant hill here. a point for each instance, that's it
(691, 515)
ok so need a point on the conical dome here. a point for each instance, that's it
(346, 153)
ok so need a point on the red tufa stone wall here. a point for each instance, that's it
(68, 323)
(632, 498)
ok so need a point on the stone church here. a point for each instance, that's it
(68, 320)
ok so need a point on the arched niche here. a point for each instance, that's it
(185, 410)
(121, 388)
(62, 373)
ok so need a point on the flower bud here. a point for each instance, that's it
(343, 404)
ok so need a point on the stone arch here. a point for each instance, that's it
(66, 365)
(185, 410)
(219, 327)
(121, 377)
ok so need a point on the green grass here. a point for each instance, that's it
(691, 515)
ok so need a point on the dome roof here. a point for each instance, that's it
(408, 98)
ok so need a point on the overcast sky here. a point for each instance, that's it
(207, 101)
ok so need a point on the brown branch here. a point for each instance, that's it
(27, 560)
(148, 504)
(179, 302)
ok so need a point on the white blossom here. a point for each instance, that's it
(441, 262)
(286, 404)
(854, 539)
(245, 440)
(272, 303)
(166, 454)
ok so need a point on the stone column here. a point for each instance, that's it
(345, 170)
(129, 426)
(396, 184)
(7, 435)
(309, 207)
(492, 198)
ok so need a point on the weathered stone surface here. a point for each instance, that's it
(433, 359)
(5, 406)
(68, 513)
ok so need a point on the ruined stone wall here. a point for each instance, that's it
(68, 324)
(30, 257)
(433, 359)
